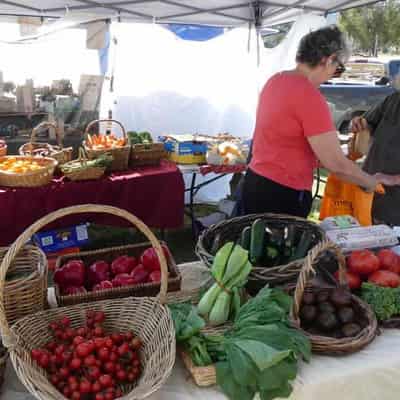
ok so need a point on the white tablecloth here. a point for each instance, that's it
(372, 374)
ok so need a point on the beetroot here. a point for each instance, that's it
(123, 265)
(123, 280)
(140, 274)
(70, 274)
(98, 272)
(103, 285)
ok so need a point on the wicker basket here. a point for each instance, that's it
(147, 154)
(230, 230)
(34, 148)
(325, 344)
(3, 364)
(120, 154)
(3, 148)
(108, 255)
(37, 178)
(26, 283)
(85, 173)
(148, 317)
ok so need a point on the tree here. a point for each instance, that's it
(374, 28)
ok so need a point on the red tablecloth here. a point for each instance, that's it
(222, 169)
(154, 194)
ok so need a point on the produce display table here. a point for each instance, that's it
(154, 194)
(372, 374)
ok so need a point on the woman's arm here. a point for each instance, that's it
(327, 149)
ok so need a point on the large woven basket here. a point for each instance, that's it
(120, 154)
(108, 255)
(26, 283)
(33, 148)
(325, 344)
(147, 154)
(86, 172)
(146, 316)
(3, 363)
(230, 230)
(41, 177)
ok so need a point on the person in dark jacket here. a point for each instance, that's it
(382, 123)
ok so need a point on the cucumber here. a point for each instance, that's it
(257, 241)
(303, 246)
(245, 238)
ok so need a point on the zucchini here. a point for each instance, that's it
(289, 248)
(303, 246)
(257, 241)
(245, 238)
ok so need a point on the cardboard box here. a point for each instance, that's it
(55, 240)
(186, 149)
(363, 237)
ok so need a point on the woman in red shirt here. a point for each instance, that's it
(294, 130)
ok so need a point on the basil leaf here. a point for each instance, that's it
(243, 368)
(263, 356)
(282, 392)
(231, 388)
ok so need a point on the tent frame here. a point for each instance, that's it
(260, 7)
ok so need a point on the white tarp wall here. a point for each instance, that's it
(167, 85)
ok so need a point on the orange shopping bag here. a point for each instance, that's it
(342, 198)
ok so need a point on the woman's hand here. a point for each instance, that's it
(359, 124)
(388, 180)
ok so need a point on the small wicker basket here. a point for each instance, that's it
(3, 148)
(86, 172)
(33, 148)
(325, 344)
(108, 255)
(41, 177)
(230, 230)
(120, 154)
(26, 283)
(3, 363)
(147, 154)
(146, 316)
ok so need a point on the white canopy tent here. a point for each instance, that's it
(207, 12)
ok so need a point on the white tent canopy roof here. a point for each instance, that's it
(207, 12)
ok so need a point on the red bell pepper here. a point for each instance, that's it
(70, 274)
(149, 258)
(98, 272)
(123, 280)
(123, 265)
(140, 274)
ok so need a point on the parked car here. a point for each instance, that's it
(360, 89)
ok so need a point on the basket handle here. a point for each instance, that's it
(46, 124)
(308, 272)
(82, 156)
(7, 335)
(97, 121)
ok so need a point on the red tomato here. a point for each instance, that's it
(385, 278)
(353, 280)
(363, 262)
(390, 261)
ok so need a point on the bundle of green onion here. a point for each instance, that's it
(230, 270)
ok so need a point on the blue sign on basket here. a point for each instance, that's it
(55, 240)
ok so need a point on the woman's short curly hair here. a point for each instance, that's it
(322, 43)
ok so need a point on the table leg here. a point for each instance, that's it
(191, 205)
